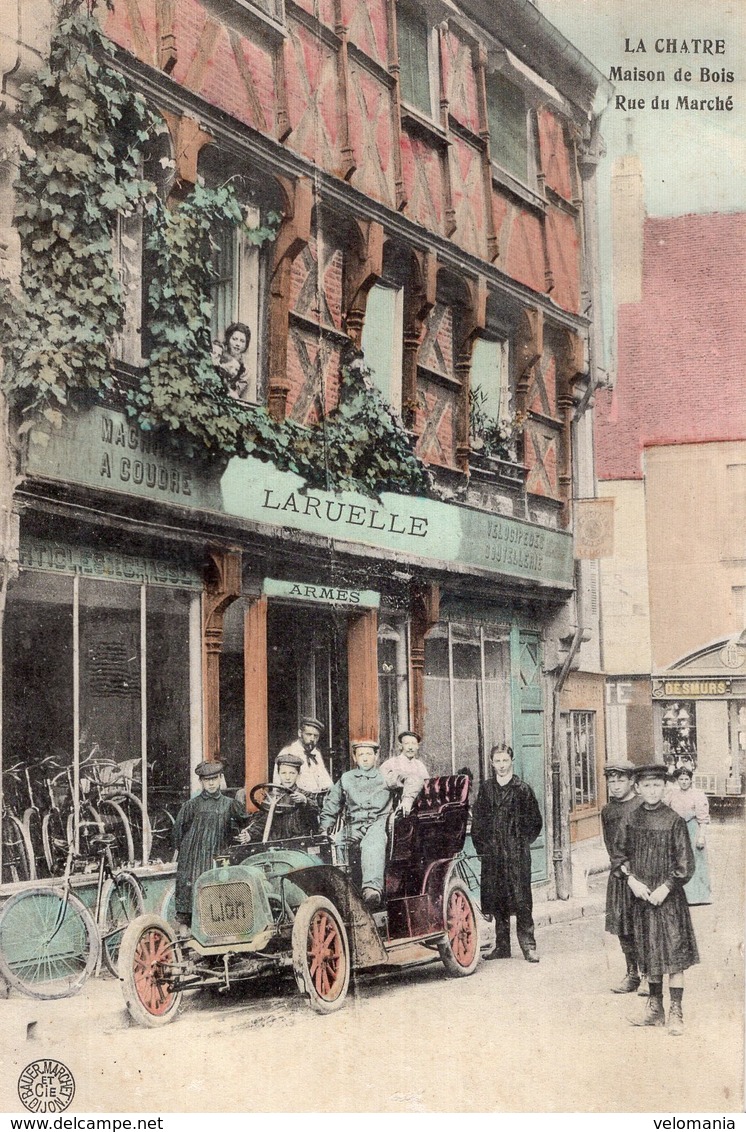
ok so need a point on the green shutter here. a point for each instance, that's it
(508, 122)
(414, 74)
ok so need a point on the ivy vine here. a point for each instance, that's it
(85, 133)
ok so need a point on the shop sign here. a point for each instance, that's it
(317, 592)
(418, 528)
(102, 449)
(90, 562)
(690, 689)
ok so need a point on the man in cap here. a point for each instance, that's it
(292, 813)
(365, 797)
(406, 770)
(205, 826)
(623, 801)
(505, 820)
(653, 852)
(313, 778)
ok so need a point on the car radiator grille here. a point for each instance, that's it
(226, 911)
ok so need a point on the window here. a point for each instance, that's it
(507, 117)
(382, 340)
(235, 292)
(96, 704)
(417, 59)
(393, 687)
(679, 725)
(580, 738)
(490, 376)
(467, 695)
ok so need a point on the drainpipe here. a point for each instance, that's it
(560, 782)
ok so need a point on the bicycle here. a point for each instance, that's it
(50, 943)
(17, 854)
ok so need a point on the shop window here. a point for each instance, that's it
(580, 739)
(96, 711)
(393, 687)
(467, 696)
(418, 59)
(679, 728)
(507, 117)
(382, 340)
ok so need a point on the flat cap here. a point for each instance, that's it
(365, 743)
(403, 735)
(309, 721)
(620, 766)
(651, 770)
(208, 770)
(287, 758)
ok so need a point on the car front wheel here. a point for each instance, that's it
(147, 957)
(321, 954)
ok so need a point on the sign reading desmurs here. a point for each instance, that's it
(671, 689)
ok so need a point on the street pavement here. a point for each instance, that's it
(513, 1037)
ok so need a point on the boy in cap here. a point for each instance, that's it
(366, 799)
(623, 800)
(406, 770)
(205, 825)
(293, 814)
(654, 853)
(313, 778)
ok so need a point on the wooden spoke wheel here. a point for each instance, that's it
(147, 957)
(321, 954)
(459, 949)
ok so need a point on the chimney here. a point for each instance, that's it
(627, 220)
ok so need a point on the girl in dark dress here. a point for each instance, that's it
(654, 852)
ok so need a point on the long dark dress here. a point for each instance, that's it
(505, 820)
(655, 844)
(205, 826)
(619, 898)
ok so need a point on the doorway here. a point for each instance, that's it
(307, 676)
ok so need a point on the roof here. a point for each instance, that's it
(681, 372)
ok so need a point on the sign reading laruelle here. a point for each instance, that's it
(104, 450)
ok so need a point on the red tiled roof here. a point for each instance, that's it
(681, 372)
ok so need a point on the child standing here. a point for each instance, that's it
(654, 852)
(623, 801)
(366, 799)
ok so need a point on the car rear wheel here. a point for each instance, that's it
(459, 949)
(321, 954)
(148, 952)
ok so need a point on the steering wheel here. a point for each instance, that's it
(264, 793)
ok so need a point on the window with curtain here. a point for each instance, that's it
(382, 340)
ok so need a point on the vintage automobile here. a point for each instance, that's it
(286, 904)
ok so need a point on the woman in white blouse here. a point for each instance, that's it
(691, 804)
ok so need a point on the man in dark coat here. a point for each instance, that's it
(205, 826)
(505, 820)
(623, 801)
(654, 852)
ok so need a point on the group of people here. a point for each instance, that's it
(654, 830)
(310, 802)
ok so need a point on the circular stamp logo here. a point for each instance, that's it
(46, 1086)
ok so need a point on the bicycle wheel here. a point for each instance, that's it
(16, 852)
(116, 823)
(162, 836)
(122, 901)
(55, 842)
(32, 823)
(48, 946)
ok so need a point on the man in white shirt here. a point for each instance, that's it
(406, 769)
(314, 779)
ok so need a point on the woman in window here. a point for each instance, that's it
(228, 360)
